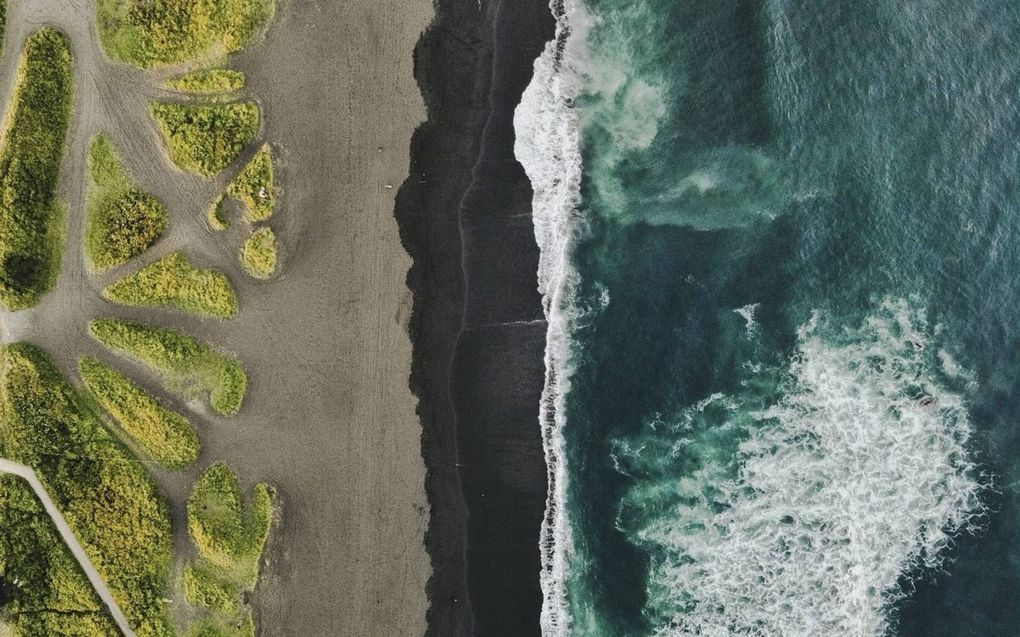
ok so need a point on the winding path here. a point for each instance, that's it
(26, 473)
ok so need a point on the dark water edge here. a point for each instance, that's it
(477, 328)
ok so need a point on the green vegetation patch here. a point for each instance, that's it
(208, 82)
(218, 218)
(206, 138)
(173, 282)
(254, 187)
(244, 627)
(259, 254)
(187, 365)
(123, 220)
(108, 499)
(165, 434)
(31, 220)
(148, 33)
(43, 590)
(208, 586)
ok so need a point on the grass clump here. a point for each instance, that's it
(43, 590)
(31, 224)
(208, 82)
(254, 187)
(218, 219)
(165, 434)
(123, 221)
(173, 282)
(108, 499)
(148, 33)
(206, 138)
(187, 365)
(259, 254)
(230, 535)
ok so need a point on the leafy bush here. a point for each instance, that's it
(149, 33)
(208, 82)
(187, 365)
(123, 221)
(31, 237)
(166, 435)
(259, 254)
(206, 138)
(218, 219)
(173, 282)
(254, 187)
(108, 499)
(207, 586)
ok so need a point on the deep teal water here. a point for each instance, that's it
(847, 173)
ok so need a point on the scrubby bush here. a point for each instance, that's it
(259, 254)
(206, 138)
(218, 219)
(173, 282)
(31, 236)
(208, 586)
(208, 82)
(165, 434)
(123, 221)
(254, 187)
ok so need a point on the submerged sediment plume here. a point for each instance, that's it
(776, 401)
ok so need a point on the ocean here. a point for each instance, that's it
(781, 268)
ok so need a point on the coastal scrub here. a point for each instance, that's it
(259, 254)
(110, 501)
(173, 282)
(254, 187)
(148, 33)
(31, 220)
(207, 82)
(165, 434)
(187, 365)
(206, 138)
(123, 220)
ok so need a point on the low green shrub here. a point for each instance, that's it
(31, 220)
(173, 282)
(108, 499)
(206, 138)
(218, 219)
(123, 221)
(259, 254)
(187, 365)
(149, 33)
(254, 187)
(165, 434)
(208, 82)
(243, 627)
(207, 586)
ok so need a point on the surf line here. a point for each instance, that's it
(27, 474)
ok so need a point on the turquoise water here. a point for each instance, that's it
(794, 352)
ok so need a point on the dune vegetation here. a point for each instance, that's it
(148, 33)
(259, 254)
(174, 283)
(206, 138)
(218, 219)
(207, 82)
(108, 499)
(122, 220)
(254, 187)
(188, 366)
(31, 219)
(164, 434)
(230, 535)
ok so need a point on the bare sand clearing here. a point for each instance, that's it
(329, 418)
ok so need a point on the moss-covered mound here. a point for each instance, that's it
(173, 282)
(148, 33)
(207, 82)
(123, 220)
(31, 236)
(108, 499)
(187, 365)
(206, 138)
(164, 434)
(254, 187)
(259, 254)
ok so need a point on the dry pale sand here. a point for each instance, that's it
(329, 419)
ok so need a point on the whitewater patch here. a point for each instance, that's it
(803, 509)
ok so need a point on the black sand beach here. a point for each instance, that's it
(477, 324)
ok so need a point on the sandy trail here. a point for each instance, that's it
(29, 476)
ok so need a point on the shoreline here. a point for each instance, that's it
(477, 324)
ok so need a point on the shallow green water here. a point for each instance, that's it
(795, 355)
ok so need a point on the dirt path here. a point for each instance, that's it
(28, 475)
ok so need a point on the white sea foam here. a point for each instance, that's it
(548, 146)
(857, 477)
